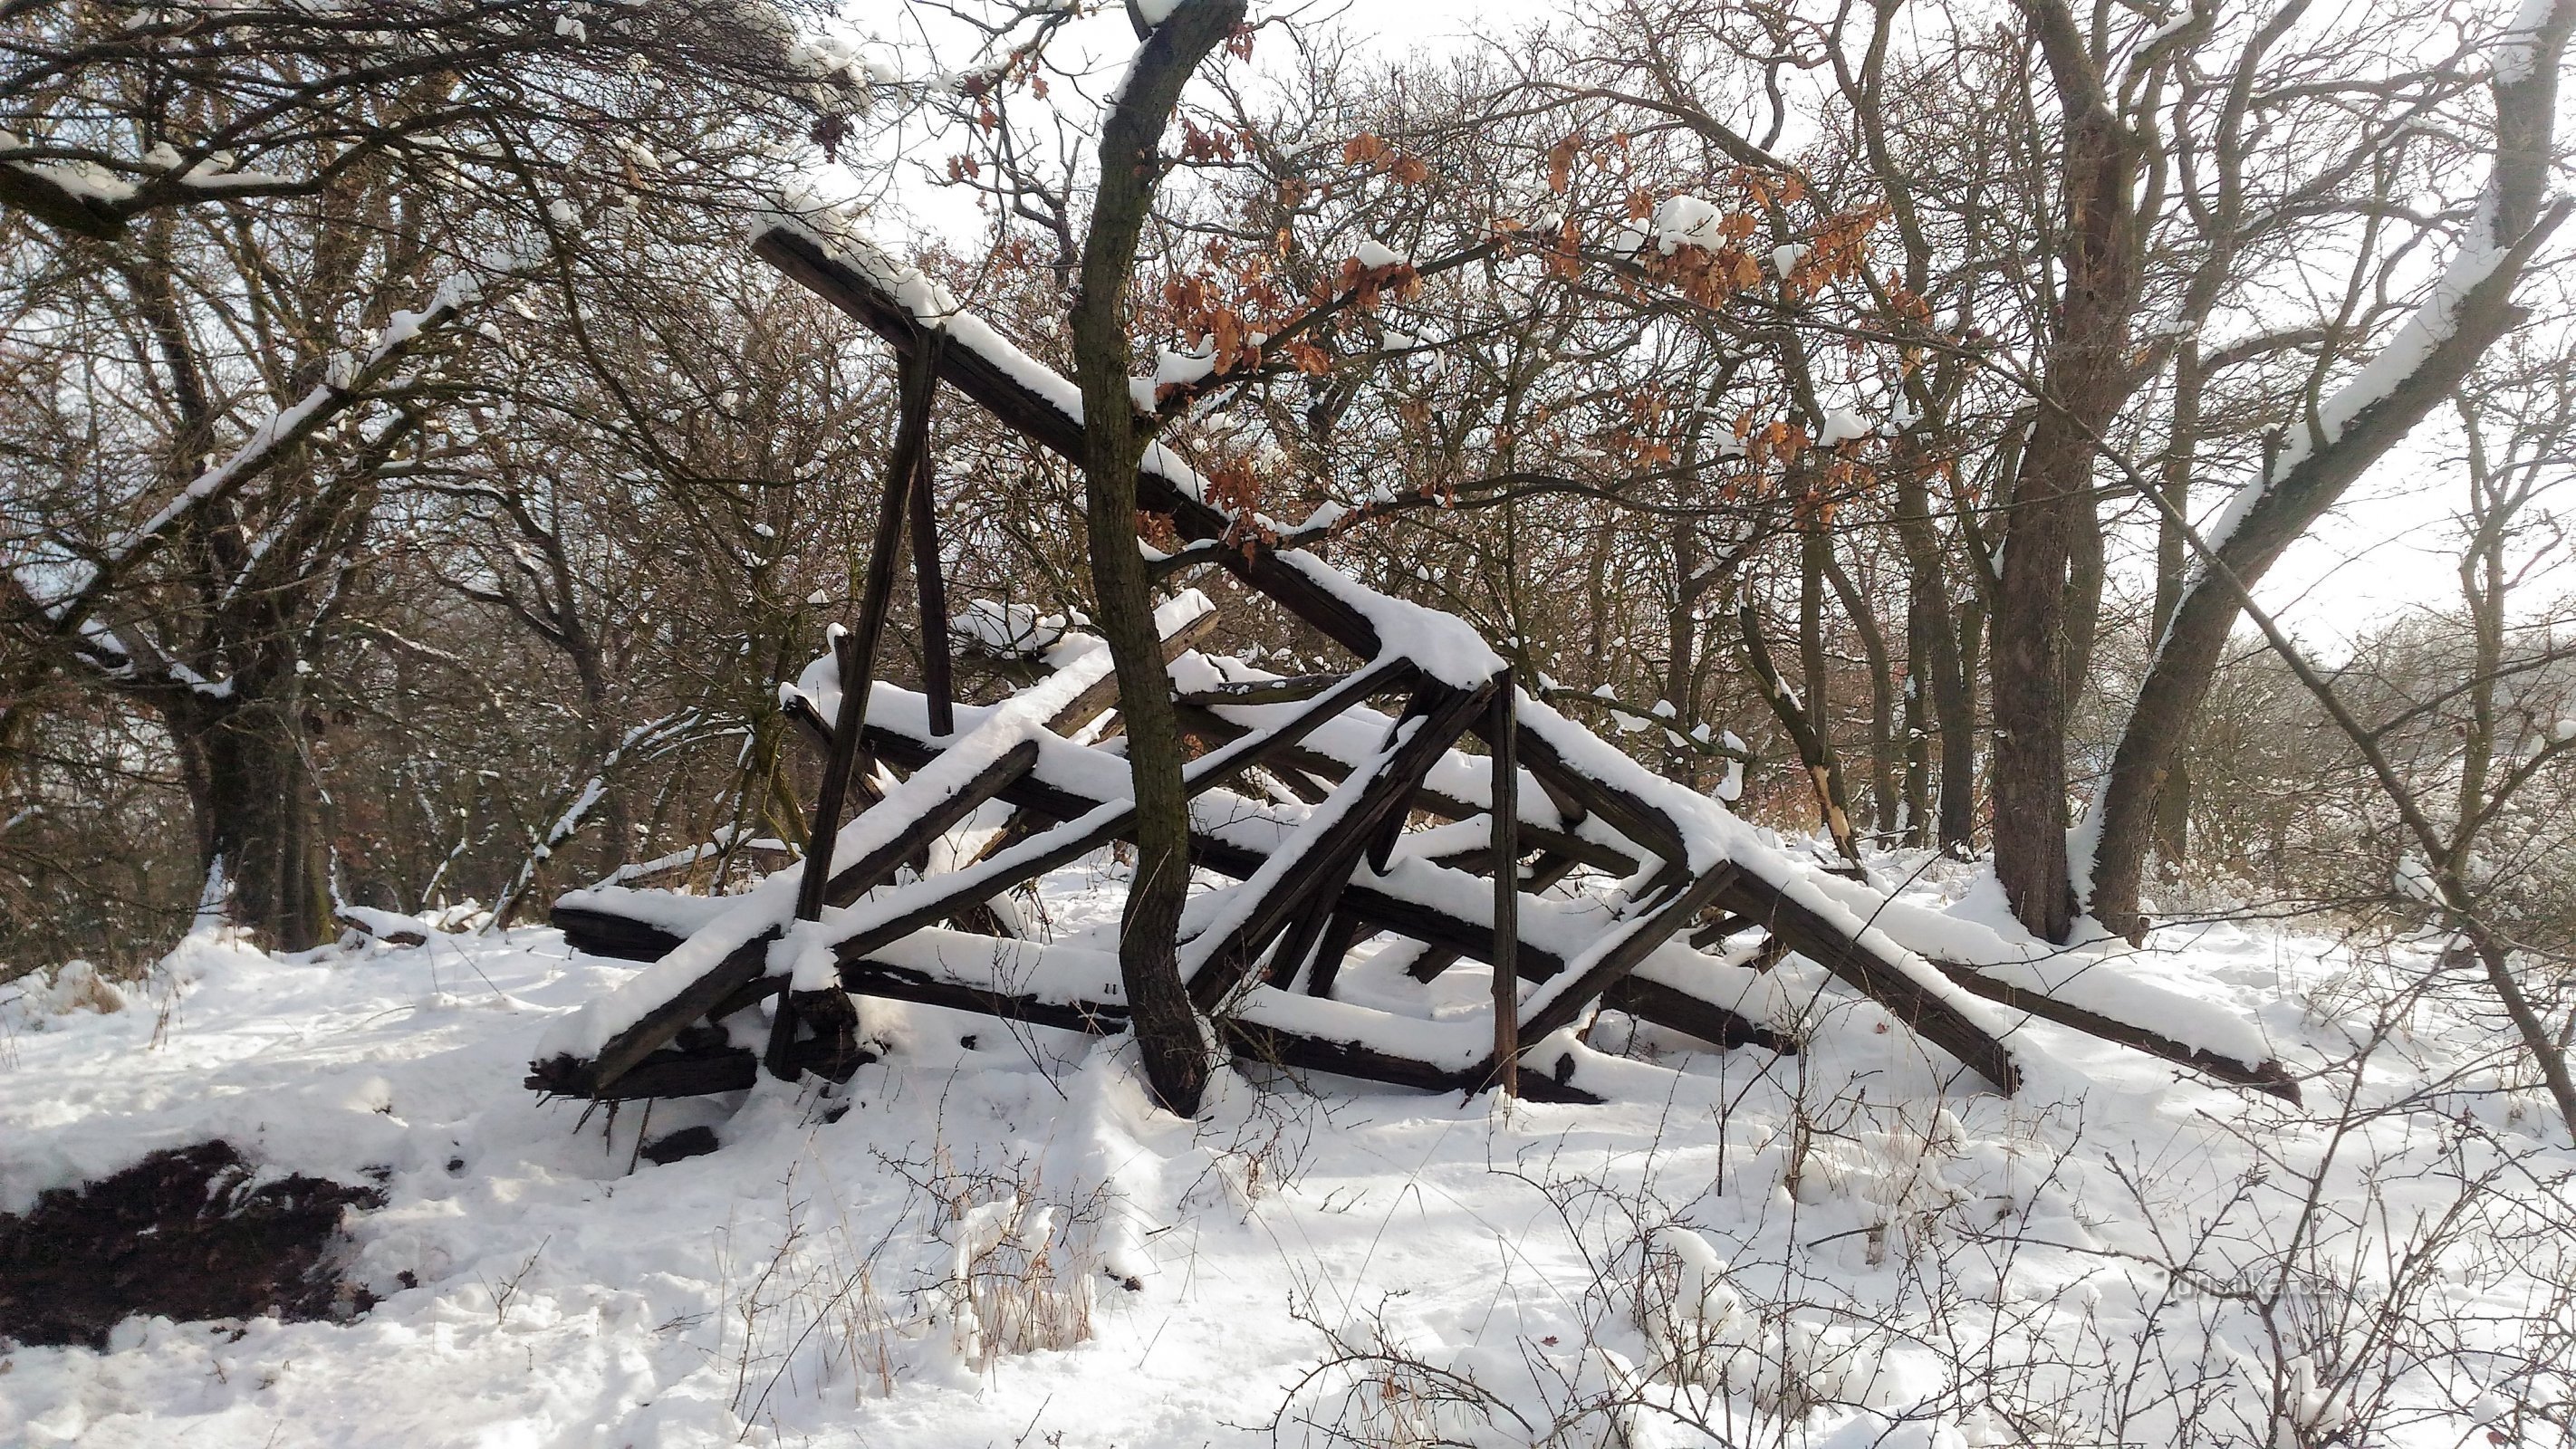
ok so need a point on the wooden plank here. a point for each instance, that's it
(1207, 725)
(1323, 859)
(1652, 1001)
(606, 933)
(2267, 1076)
(1383, 839)
(1339, 937)
(1370, 909)
(1632, 942)
(1829, 946)
(857, 656)
(832, 1050)
(1009, 398)
(743, 965)
(869, 976)
(933, 900)
(1102, 693)
(1634, 818)
(1724, 926)
(1546, 871)
(878, 866)
(857, 650)
(930, 588)
(1502, 725)
(1260, 691)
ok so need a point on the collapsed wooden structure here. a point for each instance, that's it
(1582, 878)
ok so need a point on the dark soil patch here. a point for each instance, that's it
(182, 1233)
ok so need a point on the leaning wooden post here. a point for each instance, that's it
(856, 653)
(937, 675)
(1504, 717)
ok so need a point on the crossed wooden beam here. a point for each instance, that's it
(1314, 880)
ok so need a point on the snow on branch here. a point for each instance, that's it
(577, 812)
(348, 381)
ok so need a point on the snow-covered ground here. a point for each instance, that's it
(998, 1243)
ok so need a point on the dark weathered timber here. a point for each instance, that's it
(1315, 1054)
(665, 1073)
(606, 933)
(878, 866)
(1102, 693)
(1296, 782)
(1339, 937)
(2266, 1076)
(1829, 946)
(1325, 857)
(831, 1050)
(1382, 840)
(930, 585)
(700, 1061)
(857, 655)
(872, 977)
(1097, 825)
(1304, 932)
(1447, 938)
(1547, 871)
(1616, 808)
(793, 251)
(1637, 940)
(1207, 725)
(1260, 691)
(857, 650)
(1729, 924)
(1652, 1001)
(1372, 909)
(1502, 727)
(745, 964)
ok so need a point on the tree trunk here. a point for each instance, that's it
(2052, 546)
(1174, 1042)
(251, 791)
(1815, 750)
(1883, 812)
(1933, 664)
(2173, 807)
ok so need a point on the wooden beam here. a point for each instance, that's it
(1109, 820)
(944, 814)
(869, 976)
(1006, 394)
(1502, 726)
(1338, 939)
(1207, 725)
(740, 967)
(1632, 941)
(1835, 949)
(930, 585)
(1547, 871)
(1616, 808)
(1260, 691)
(1322, 860)
(1299, 1051)
(1102, 693)
(2266, 1076)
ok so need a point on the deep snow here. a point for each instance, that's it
(998, 1243)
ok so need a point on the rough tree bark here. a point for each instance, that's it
(2053, 533)
(1173, 1041)
(251, 791)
